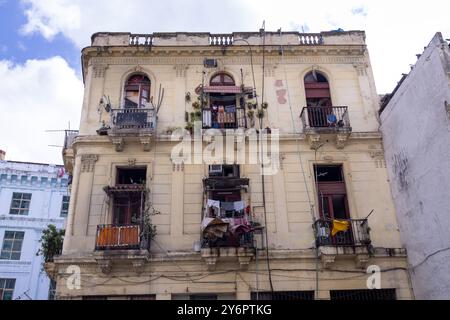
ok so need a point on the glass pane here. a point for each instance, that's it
(15, 256)
(15, 204)
(10, 283)
(7, 245)
(5, 255)
(9, 235)
(14, 211)
(17, 195)
(27, 196)
(23, 212)
(7, 295)
(17, 245)
(339, 207)
(19, 235)
(25, 205)
(2, 283)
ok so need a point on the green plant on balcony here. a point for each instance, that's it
(148, 229)
(51, 243)
(264, 105)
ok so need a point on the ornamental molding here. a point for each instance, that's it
(88, 162)
(180, 62)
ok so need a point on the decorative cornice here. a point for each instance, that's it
(88, 162)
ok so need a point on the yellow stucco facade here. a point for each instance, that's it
(177, 266)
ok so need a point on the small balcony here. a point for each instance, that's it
(132, 123)
(319, 121)
(67, 152)
(133, 120)
(343, 238)
(120, 237)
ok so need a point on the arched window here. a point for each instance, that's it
(222, 79)
(317, 90)
(222, 111)
(137, 91)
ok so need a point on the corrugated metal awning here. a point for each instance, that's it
(222, 89)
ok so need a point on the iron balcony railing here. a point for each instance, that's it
(70, 136)
(244, 240)
(125, 237)
(357, 233)
(325, 118)
(133, 118)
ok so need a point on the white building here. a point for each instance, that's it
(32, 196)
(415, 121)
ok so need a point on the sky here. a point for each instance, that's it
(41, 88)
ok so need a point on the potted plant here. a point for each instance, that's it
(51, 245)
(188, 97)
(264, 105)
(190, 127)
(196, 105)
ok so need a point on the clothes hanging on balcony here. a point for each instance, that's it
(213, 208)
(207, 118)
(339, 226)
(214, 228)
(239, 205)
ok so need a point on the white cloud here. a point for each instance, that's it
(37, 96)
(396, 30)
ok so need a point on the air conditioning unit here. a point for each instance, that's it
(210, 63)
(215, 169)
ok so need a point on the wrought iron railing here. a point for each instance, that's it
(244, 240)
(125, 237)
(357, 233)
(70, 136)
(325, 118)
(133, 118)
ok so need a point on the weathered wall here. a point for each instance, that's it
(416, 135)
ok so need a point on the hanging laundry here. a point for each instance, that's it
(339, 226)
(206, 118)
(228, 206)
(239, 205)
(230, 109)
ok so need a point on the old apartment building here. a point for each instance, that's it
(415, 122)
(308, 228)
(32, 196)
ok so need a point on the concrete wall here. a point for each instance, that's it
(416, 135)
(45, 208)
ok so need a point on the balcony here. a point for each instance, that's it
(121, 237)
(67, 152)
(343, 238)
(319, 121)
(132, 123)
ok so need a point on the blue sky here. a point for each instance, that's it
(18, 47)
(40, 43)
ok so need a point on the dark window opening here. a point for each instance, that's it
(224, 170)
(328, 173)
(131, 176)
(137, 92)
(363, 295)
(318, 98)
(283, 295)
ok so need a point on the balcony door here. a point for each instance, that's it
(318, 99)
(137, 92)
(332, 196)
